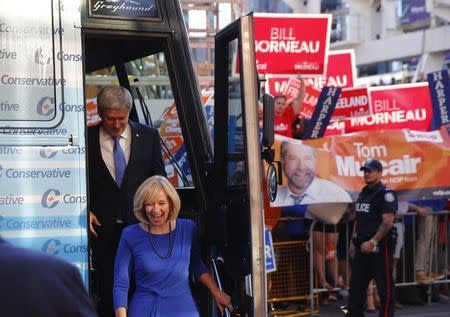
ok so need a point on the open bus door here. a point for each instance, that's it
(237, 221)
(121, 46)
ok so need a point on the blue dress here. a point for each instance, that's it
(162, 285)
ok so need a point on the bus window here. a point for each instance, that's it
(154, 105)
(31, 83)
(235, 148)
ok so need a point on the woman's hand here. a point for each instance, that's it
(223, 300)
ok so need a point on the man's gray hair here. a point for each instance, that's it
(114, 98)
(285, 143)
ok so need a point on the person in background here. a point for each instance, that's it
(426, 232)
(158, 253)
(40, 285)
(287, 112)
(121, 155)
(373, 243)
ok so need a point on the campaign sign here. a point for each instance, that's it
(406, 106)
(340, 70)
(439, 86)
(408, 157)
(292, 43)
(310, 101)
(353, 102)
(292, 89)
(271, 265)
(322, 113)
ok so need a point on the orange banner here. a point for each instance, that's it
(416, 165)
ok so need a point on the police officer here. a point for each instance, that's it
(373, 243)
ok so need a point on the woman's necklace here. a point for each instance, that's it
(169, 252)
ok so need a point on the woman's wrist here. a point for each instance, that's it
(215, 292)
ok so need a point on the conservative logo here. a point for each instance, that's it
(54, 246)
(48, 152)
(46, 106)
(50, 198)
(43, 56)
(51, 246)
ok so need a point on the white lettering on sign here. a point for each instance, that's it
(283, 40)
(323, 113)
(350, 102)
(390, 117)
(332, 81)
(349, 166)
(441, 97)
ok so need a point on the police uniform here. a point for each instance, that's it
(372, 202)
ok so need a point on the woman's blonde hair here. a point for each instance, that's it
(147, 189)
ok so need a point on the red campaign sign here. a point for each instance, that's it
(340, 70)
(292, 43)
(353, 102)
(406, 106)
(312, 95)
(292, 88)
(277, 85)
(335, 128)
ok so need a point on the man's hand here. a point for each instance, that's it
(93, 221)
(367, 247)
(423, 211)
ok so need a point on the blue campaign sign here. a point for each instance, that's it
(271, 265)
(322, 112)
(438, 83)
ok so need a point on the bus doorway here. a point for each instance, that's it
(128, 60)
(125, 50)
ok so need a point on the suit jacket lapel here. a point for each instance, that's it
(136, 145)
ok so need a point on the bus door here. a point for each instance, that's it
(143, 46)
(237, 221)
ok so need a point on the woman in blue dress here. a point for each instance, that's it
(159, 253)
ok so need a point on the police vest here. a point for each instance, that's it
(369, 208)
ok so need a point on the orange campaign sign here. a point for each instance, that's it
(408, 157)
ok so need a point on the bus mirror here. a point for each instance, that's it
(268, 120)
(272, 182)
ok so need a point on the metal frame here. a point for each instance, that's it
(242, 30)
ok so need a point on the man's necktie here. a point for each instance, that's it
(298, 199)
(119, 161)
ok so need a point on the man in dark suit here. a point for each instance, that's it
(36, 284)
(121, 155)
